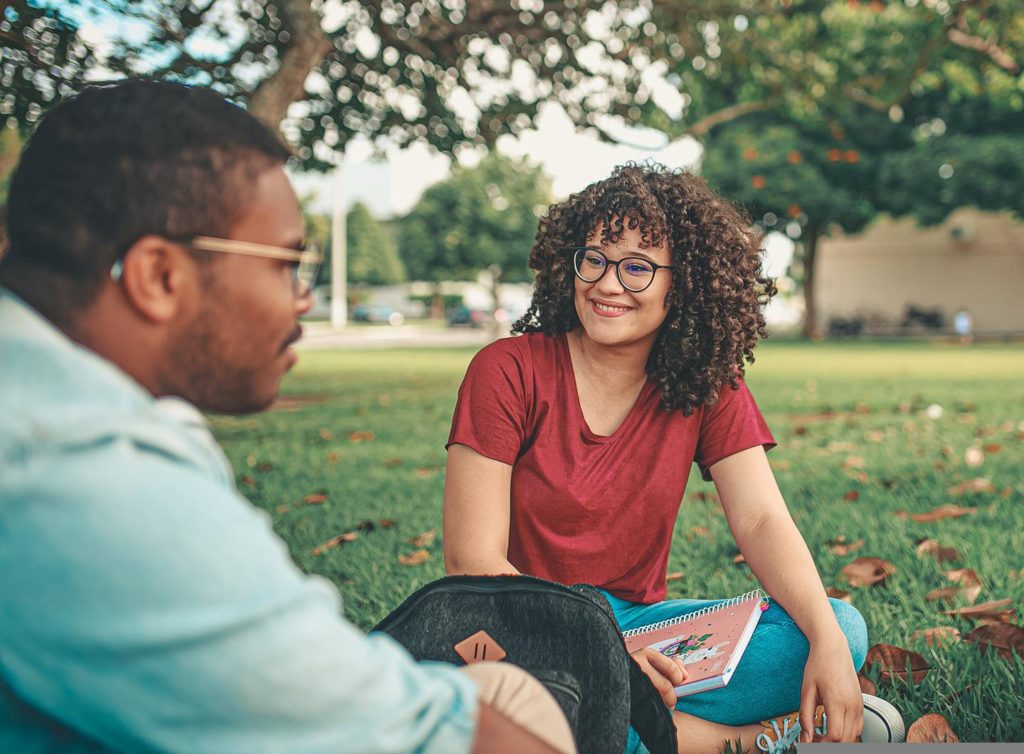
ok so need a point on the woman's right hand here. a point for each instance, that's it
(664, 672)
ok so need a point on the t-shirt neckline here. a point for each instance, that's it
(581, 420)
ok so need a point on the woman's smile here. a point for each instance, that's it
(607, 309)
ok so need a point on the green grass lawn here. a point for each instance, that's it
(367, 430)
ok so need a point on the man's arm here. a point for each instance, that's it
(155, 609)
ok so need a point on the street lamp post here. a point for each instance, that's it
(339, 279)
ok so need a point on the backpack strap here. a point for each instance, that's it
(648, 714)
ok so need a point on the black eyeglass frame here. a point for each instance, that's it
(577, 250)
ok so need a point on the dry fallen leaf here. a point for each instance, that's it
(315, 498)
(414, 558)
(839, 594)
(326, 434)
(931, 729)
(674, 576)
(360, 436)
(741, 558)
(894, 661)
(248, 481)
(867, 686)
(281, 509)
(839, 547)
(987, 611)
(943, 593)
(867, 571)
(969, 581)
(852, 496)
(993, 447)
(972, 485)
(1005, 637)
(386, 523)
(349, 536)
(392, 462)
(853, 462)
(333, 457)
(425, 539)
(366, 526)
(938, 636)
(698, 531)
(937, 551)
(941, 513)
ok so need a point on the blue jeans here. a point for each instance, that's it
(767, 681)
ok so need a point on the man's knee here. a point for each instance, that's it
(523, 699)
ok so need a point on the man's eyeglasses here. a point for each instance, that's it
(306, 260)
(634, 273)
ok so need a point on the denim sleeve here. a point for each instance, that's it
(152, 608)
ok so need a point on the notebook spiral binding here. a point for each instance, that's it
(696, 614)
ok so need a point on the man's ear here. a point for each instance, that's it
(159, 278)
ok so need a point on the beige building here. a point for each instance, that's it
(973, 260)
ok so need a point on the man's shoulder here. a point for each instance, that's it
(60, 400)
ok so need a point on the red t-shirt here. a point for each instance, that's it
(585, 507)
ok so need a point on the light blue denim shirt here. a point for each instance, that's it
(146, 606)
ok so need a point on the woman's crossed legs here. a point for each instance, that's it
(767, 680)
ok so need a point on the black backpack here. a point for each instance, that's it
(565, 636)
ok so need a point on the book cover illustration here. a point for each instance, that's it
(709, 641)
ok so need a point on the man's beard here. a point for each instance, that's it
(202, 365)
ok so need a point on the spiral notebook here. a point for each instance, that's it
(710, 642)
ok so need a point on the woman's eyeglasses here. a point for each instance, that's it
(634, 273)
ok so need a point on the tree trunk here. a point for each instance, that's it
(496, 327)
(305, 49)
(810, 244)
(436, 303)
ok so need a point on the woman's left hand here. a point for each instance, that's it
(830, 679)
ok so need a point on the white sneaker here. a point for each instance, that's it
(882, 724)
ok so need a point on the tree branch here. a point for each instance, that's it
(986, 47)
(307, 47)
(726, 114)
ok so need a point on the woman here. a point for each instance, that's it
(571, 446)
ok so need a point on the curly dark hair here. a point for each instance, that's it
(718, 289)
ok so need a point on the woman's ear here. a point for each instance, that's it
(159, 278)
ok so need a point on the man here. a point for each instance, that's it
(154, 266)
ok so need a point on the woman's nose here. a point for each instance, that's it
(610, 280)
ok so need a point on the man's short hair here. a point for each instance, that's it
(114, 164)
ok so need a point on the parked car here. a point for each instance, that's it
(463, 316)
(377, 313)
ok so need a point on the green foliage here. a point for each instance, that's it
(942, 174)
(382, 70)
(782, 173)
(44, 58)
(371, 251)
(10, 149)
(477, 217)
(824, 403)
(871, 98)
